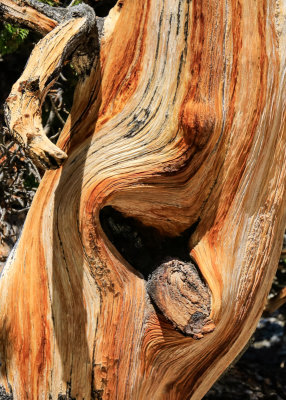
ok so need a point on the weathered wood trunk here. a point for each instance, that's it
(180, 124)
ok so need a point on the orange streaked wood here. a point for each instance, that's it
(181, 121)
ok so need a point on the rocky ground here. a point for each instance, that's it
(261, 371)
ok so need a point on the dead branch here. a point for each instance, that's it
(23, 106)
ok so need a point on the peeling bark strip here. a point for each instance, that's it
(181, 123)
(77, 33)
(182, 296)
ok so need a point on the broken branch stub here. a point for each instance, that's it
(23, 106)
(180, 293)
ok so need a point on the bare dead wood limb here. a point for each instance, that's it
(23, 14)
(23, 106)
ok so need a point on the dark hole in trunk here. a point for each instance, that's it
(103, 7)
(145, 248)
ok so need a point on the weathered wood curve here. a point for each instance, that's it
(180, 121)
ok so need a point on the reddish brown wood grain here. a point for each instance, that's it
(181, 121)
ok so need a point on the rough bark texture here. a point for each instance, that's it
(180, 123)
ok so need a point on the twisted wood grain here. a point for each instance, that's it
(182, 120)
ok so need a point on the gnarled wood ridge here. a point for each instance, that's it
(178, 121)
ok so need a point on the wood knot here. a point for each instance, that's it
(182, 296)
(198, 123)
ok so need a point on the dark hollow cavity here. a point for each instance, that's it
(103, 7)
(145, 248)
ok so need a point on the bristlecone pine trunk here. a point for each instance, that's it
(179, 124)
